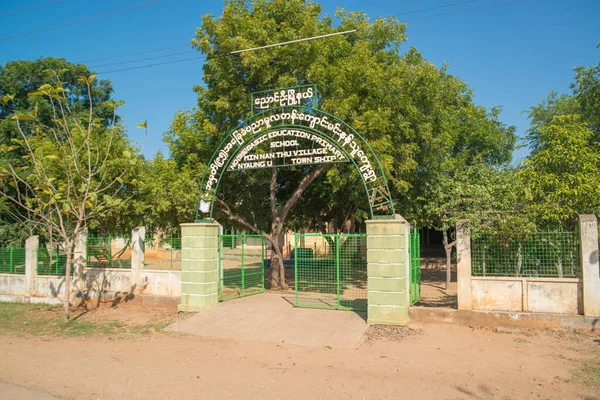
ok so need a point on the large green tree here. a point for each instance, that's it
(414, 115)
(17, 80)
(70, 171)
(562, 177)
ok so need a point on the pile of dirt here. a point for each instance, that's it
(391, 333)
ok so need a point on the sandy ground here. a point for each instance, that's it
(433, 292)
(424, 362)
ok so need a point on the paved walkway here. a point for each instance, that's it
(8, 391)
(271, 318)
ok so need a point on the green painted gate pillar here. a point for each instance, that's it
(199, 266)
(387, 271)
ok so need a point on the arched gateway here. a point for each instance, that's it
(288, 129)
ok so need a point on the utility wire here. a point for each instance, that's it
(391, 6)
(239, 51)
(29, 8)
(294, 41)
(132, 54)
(144, 59)
(153, 65)
(443, 15)
(433, 8)
(468, 10)
(80, 20)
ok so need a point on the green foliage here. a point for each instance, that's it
(417, 117)
(562, 178)
(17, 80)
(166, 194)
(587, 90)
(72, 170)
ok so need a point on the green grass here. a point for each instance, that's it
(44, 320)
(589, 375)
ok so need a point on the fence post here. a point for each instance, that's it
(199, 266)
(463, 265)
(32, 245)
(79, 260)
(138, 235)
(388, 268)
(590, 272)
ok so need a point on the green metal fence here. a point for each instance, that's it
(12, 260)
(539, 254)
(101, 253)
(241, 265)
(51, 261)
(330, 271)
(415, 265)
(164, 257)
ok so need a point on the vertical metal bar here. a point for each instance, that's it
(295, 269)
(219, 267)
(262, 257)
(10, 260)
(171, 248)
(243, 262)
(337, 266)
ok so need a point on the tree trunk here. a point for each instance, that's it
(448, 250)
(279, 216)
(277, 267)
(67, 298)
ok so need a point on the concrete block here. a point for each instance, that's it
(4, 284)
(386, 298)
(199, 265)
(200, 229)
(386, 270)
(191, 303)
(199, 276)
(553, 297)
(199, 288)
(386, 242)
(386, 256)
(199, 242)
(387, 315)
(386, 284)
(497, 295)
(386, 227)
(199, 253)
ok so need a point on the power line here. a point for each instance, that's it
(444, 15)
(391, 6)
(433, 8)
(29, 8)
(132, 54)
(226, 54)
(143, 59)
(153, 65)
(294, 41)
(239, 51)
(469, 10)
(80, 20)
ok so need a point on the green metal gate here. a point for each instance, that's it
(241, 265)
(100, 253)
(330, 271)
(415, 265)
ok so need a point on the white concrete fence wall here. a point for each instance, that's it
(89, 282)
(532, 294)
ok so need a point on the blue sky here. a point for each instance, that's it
(512, 56)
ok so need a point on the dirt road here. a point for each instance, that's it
(431, 362)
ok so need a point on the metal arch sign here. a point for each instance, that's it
(290, 136)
